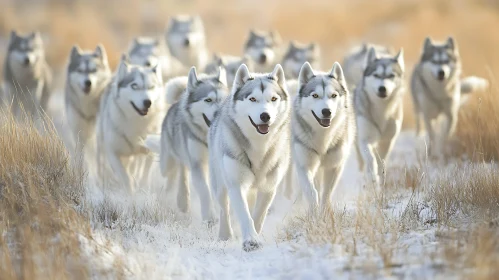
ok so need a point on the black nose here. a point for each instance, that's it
(382, 90)
(326, 112)
(265, 117)
(147, 64)
(441, 74)
(26, 61)
(88, 83)
(187, 42)
(263, 58)
(147, 103)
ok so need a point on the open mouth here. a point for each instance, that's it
(323, 122)
(140, 112)
(261, 128)
(206, 120)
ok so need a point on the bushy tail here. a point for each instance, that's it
(473, 84)
(153, 143)
(174, 89)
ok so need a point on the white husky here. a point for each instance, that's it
(378, 110)
(323, 129)
(184, 144)
(437, 90)
(88, 76)
(133, 108)
(249, 149)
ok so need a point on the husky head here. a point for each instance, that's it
(262, 47)
(383, 75)
(145, 51)
(138, 87)
(296, 55)
(25, 51)
(204, 96)
(322, 95)
(185, 36)
(441, 59)
(259, 99)
(88, 71)
(230, 64)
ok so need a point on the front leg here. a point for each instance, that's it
(385, 147)
(263, 201)
(120, 170)
(306, 165)
(368, 155)
(238, 179)
(331, 177)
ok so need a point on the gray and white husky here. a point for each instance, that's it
(27, 76)
(229, 63)
(184, 135)
(264, 48)
(186, 40)
(354, 62)
(437, 89)
(249, 150)
(378, 103)
(296, 55)
(323, 129)
(88, 76)
(133, 108)
(149, 51)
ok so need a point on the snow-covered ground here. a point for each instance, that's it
(146, 234)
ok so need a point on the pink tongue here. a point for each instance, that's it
(263, 128)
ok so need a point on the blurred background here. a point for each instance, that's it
(336, 25)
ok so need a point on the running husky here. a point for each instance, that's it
(88, 76)
(264, 48)
(296, 55)
(323, 129)
(133, 107)
(437, 89)
(184, 147)
(27, 76)
(378, 109)
(249, 149)
(230, 64)
(355, 62)
(186, 40)
(149, 51)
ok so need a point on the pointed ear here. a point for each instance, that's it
(122, 68)
(100, 51)
(306, 74)
(292, 45)
(427, 44)
(278, 75)
(242, 76)
(222, 75)
(312, 46)
(365, 47)
(400, 59)
(371, 56)
(124, 57)
(252, 33)
(337, 74)
(451, 43)
(75, 52)
(37, 37)
(192, 79)
(13, 35)
(157, 70)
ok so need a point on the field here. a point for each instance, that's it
(434, 220)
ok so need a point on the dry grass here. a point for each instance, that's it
(41, 205)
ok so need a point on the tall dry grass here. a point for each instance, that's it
(42, 212)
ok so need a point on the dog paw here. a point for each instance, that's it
(251, 245)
